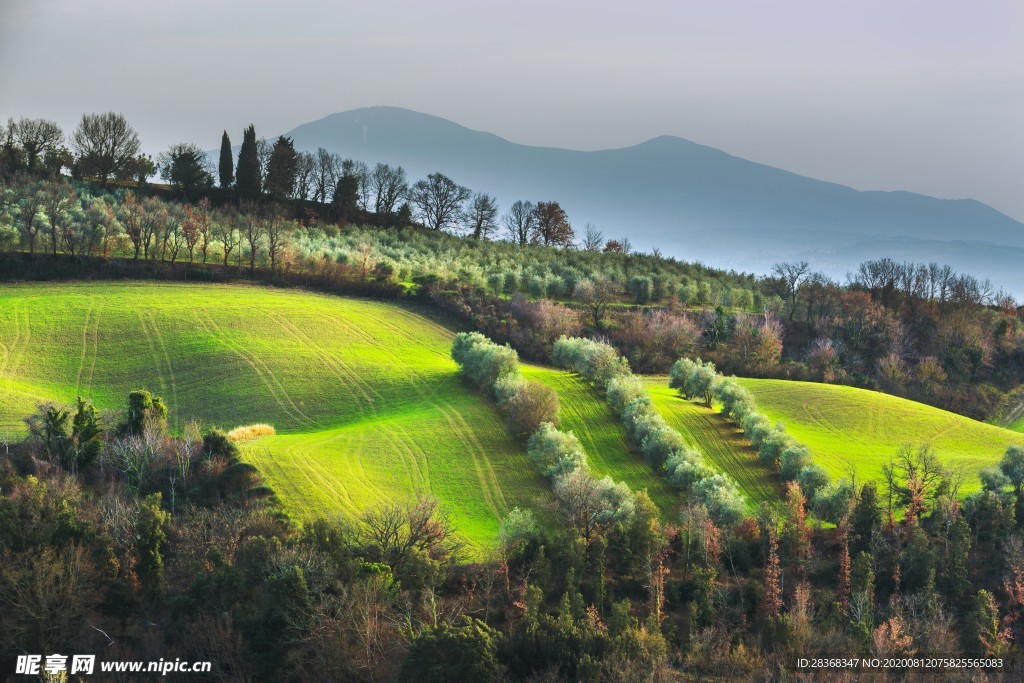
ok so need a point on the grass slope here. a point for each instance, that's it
(587, 415)
(845, 426)
(367, 404)
(722, 444)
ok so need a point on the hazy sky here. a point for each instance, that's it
(921, 95)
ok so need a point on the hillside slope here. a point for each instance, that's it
(847, 427)
(584, 412)
(719, 440)
(368, 405)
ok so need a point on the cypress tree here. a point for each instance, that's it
(281, 169)
(227, 163)
(247, 173)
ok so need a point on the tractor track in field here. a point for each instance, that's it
(19, 355)
(11, 349)
(85, 345)
(343, 372)
(261, 369)
(95, 349)
(167, 358)
(723, 446)
(485, 482)
(156, 356)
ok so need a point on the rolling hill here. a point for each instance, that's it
(368, 405)
(691, 201)
(847, 427)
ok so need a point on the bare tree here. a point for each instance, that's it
(37, 137)
(438, 201)
(154, 216)
(520, 221)
(791, 275)
(305, 175)
(204, 224)
(30, 213)
(252, 230)
(105, 145)
(59, 201)
(361, 172)
(278, 230)
(226, 232)
(391, 533)
(593, 239)
(482, 216)
(264, 150)
(45, 595)
(388, 185)
(325, 175)
(596, 294)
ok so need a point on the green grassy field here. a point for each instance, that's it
(366, 401)
(584, 412)
(844, 426)
(719, 440)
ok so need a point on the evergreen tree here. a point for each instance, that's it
(227, 163)
(85, 436)
(151, 534)
(867, 519)
(346, 196)
(247, 173)
(282, 169)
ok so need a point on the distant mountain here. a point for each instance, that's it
(689, 200)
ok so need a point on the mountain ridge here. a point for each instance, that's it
(690, 200)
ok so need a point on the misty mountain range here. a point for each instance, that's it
(689, 200)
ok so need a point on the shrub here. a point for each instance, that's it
(736, 401)
(993, 479)
(659, 443)
(555, 452)
(463, 344)
(506, 387)
(638, 409)
(496, 283)
(679, 374)
(641, 288)
(532, 404)
(623, 390)
(249, 432)
(812, 478)
(482, 361)
(536, 286)
(693, 379)
(773, 444)
(720, 496)
(594, 361)
(685, 467)
(463, 651)
(216, 444)
(832, 501)
(755, 427)
(793, 459)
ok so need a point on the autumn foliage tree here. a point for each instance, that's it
(552, 226)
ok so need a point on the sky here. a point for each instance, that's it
(918, 95)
